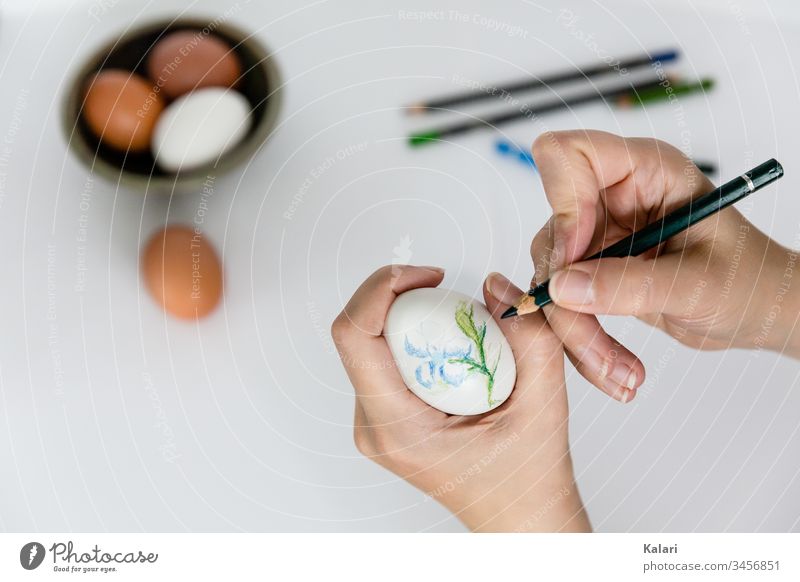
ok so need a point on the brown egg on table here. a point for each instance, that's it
(189, 59)
(182, 272)
(121, 109)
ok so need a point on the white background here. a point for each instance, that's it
(253, 400)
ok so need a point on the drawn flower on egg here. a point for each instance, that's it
(450, 361)
(438, 367)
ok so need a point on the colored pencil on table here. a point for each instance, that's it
(625, 96)
(657, 232)
(444, 103)
(524, 155)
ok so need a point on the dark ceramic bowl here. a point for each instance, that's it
(260, 84)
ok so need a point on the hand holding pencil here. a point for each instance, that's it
(603, 188)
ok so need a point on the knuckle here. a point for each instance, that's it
(389, 274)
(362, 441)
(381, 443)
(342, 329)
(378, 446)
(387, 271)
(658, 146)
(540, 241)
(541, 251)
(398, 459)
(541, 146)
(640, 293)
(550, 143)
(544, 343)
(543, 240)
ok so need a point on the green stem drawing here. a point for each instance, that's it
(465, 319)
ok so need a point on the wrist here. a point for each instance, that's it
(776, 328)
(528, 504)
(547, 510)
(787, 336)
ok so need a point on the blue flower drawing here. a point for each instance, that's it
(449, 362)
(438, 365)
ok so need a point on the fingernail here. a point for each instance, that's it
(572, 287)
(502, 289)
(621, 376)
(603, 371)
(435, 269)
(626, 394)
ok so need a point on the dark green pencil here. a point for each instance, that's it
(627, 96)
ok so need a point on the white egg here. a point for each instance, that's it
(450, 351)
(198, 127)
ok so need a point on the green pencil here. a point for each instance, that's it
(642, 94)
(662, 93)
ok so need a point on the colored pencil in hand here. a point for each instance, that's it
(673, 223)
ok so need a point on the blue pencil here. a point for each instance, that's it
(513, 150)
(524, 155)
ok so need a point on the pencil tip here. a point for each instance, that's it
(416, 109)
(526, 305)
(510, 312)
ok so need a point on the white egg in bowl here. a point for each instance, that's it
(450, 351)
(199, 127)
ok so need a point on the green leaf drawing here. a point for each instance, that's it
(465, 320)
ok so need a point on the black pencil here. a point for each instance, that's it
(706, 167)
(657, 232)
(547, 81)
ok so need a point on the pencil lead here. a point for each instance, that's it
(510, 312)
(524, 305)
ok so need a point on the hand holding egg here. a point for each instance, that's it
(494, 470)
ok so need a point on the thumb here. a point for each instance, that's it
(629, 286)
(533, 343)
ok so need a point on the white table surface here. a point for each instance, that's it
(116, 417)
